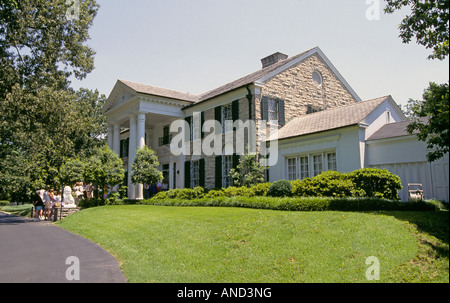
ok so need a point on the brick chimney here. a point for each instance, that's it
(272, 59)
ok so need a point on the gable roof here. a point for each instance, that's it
(259, 76)
(394, 130)
(333, 118)
(248, 79)
(158, 91)
(270, 71)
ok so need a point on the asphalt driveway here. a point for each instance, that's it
(40, 252)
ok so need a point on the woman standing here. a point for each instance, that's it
(38, 206)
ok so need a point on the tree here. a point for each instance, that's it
(104, 168)
(71, 172)
(145, 167)
(248, 172)
(435, 128)
(41, 120)
(428, 22)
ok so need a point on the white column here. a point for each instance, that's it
(116, 140)
(140, 144)
(171, 176)
(131, 156)
(110, 136)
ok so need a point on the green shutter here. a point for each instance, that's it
(188, 131)
(264, 109)
(202, 172)
(235, 110)
(187, 174)
(236, 160)
(218, 114)
(281, 113)
(218, 172)
(202, 121)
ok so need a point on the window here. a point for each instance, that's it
(165, 172)
(273, 110)
(292, 169)
(227, 165)
(304, 167)
(195, 128)
(317, 164)
(310, 165)
(331, 161)
(317, 78)
(227, 115)
(166, 138)
(124, 148)
(388, 116)
(195, 174)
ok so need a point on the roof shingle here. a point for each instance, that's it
(329, 119)
(157, 91)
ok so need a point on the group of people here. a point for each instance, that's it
(44, 203)
(152, 189)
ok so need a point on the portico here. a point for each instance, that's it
(139, 115)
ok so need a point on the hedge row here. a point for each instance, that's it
(300, 203)
(366, 182)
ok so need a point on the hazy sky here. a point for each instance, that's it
(197, 45)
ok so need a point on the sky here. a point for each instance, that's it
(198, 45)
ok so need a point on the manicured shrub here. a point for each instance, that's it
(184, 193)
(241, 191)
(215, 193)
(281, 188)
(301, 204)
(261, 189)
(4, 203)
(376, 183)
(327, 184)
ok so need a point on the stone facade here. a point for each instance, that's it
(298, 89)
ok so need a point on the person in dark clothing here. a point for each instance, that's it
(38, 206)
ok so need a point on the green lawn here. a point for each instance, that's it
(201, 244)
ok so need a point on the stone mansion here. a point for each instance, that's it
(322, 125)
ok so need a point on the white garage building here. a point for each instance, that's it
(367, 134)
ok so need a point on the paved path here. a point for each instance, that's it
(36, 252)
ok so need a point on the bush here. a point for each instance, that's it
(261, 189)
(215, 194)
(376, 183)
(241, 191)
(301, 204)
(4, 203)
(327, 184)
(280, 188)
(177, 193)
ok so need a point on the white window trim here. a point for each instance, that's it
(229, 109)
(225, 173)
(195, 179)
(298, 167)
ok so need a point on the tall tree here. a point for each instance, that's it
(41, 123)
(435, 128)
(429, 24)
